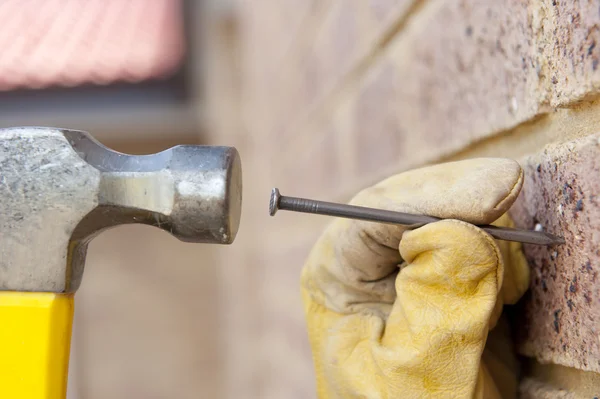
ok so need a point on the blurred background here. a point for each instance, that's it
(155, 317)
(321, 98)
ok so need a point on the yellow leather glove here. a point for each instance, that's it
(397, 313)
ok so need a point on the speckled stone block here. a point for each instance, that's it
(560, 315)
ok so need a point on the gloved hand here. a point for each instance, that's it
(397, 313)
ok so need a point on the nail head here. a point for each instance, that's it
(274, 203)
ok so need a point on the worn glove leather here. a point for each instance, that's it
(398, 313)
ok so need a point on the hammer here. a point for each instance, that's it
(58, 190)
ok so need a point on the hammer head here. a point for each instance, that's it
(60, 188)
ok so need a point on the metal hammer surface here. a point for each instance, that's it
(59, 188)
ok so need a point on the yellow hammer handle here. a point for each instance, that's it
(35, 340)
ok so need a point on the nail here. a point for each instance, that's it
(304, 205)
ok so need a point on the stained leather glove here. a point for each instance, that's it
(399, 313)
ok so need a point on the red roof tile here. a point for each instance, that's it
(72, 42)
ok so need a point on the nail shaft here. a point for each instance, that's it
(391, 217)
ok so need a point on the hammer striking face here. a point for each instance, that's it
(59, 188)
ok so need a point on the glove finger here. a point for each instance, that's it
(516, 268)
(333, 280)
(450, 285)
(477, 191)
(432, 340)
(446, 297)
(362, 257)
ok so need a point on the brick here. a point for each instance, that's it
(294, 14)
(466, 72)
(275, 22)
(311, 77)
(469, 70)
(240, 323)
(533, 389)
(316, 66)
(472, 69)
(560, 315)
(353, 29)
(266, 30)
(284, 338)
(569, 37)
(344, 35)
(283, 329)
(147, 318)
(382, 10)
(462, 71)
(377, 129)
(314, 169)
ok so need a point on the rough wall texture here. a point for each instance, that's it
(145, 319)
(336, 95)
(561, 313)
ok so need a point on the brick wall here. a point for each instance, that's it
(145, 319)
(336, 95)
